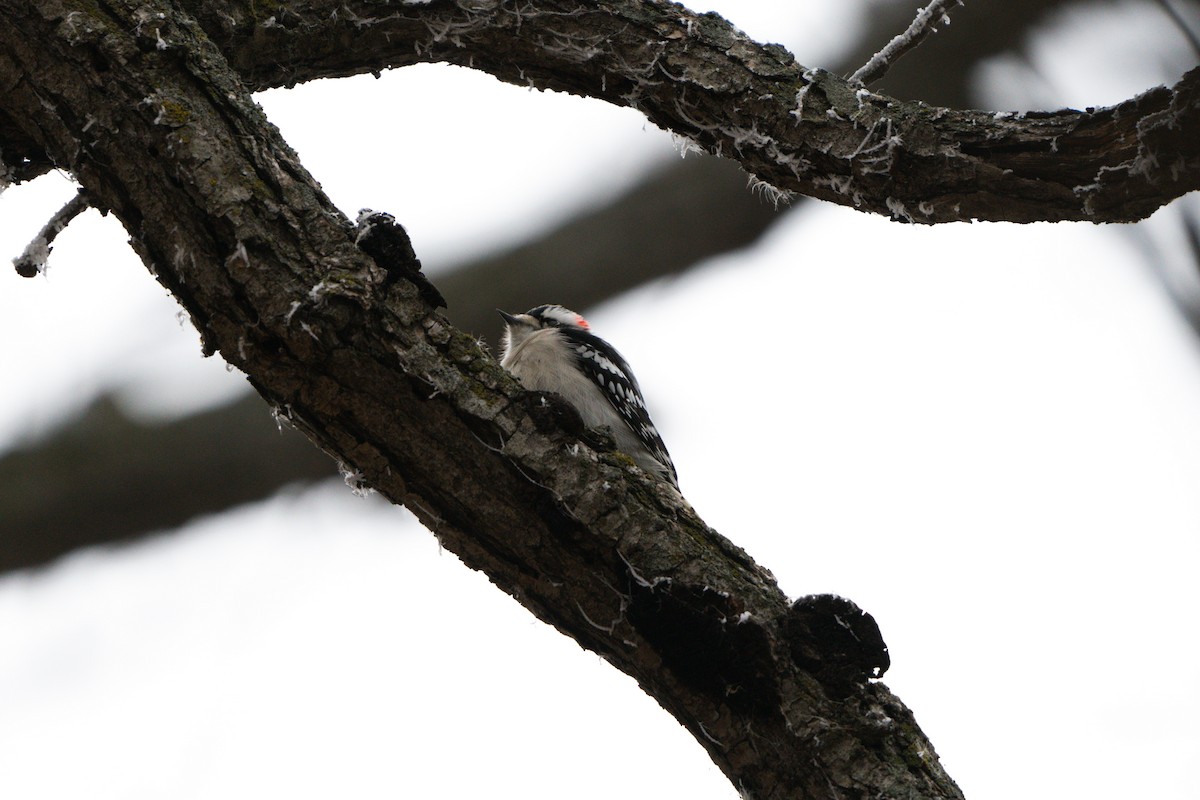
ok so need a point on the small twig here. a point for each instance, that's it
(1181, 23)
(33, 260)
(924, 24)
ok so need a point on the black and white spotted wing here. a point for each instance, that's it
(604, 365)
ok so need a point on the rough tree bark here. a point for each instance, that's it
(799, 129)
(140, 103)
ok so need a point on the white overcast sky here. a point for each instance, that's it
(986, 435)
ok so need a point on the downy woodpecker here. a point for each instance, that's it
(551, 349)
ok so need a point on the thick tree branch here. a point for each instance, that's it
(801, 130)
(135, 101)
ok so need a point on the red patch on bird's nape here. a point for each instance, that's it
(581, 322)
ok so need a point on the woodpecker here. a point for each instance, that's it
(552, 349)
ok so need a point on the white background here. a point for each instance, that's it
(986, 435)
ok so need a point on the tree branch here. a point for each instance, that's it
(801, 130)
(33, 260)
(924, 24)
(229, 221)
(108, 478)
(1181, 24)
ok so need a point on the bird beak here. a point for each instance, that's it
(509, 319)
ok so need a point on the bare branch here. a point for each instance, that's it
(924, 24)
(799, 129)
(33, 261)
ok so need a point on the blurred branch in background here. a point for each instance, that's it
(107, 477)
(1182, 23)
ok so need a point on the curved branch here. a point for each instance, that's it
(230, 222)
(801, 130)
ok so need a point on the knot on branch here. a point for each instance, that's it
(836, 641)
(378, 235)
(708, 640)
